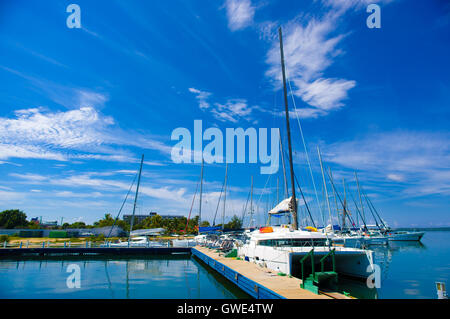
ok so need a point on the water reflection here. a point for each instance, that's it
(178, 277)
(383, 257)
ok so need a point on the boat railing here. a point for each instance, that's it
(302, 261)
(333, 260)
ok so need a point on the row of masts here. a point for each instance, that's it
(345, 214)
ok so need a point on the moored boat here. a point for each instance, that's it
(404, 236)
(280, 248)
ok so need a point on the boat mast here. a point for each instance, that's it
(224, 196)
(135, 199)
(360, 198)
(201, 192)
(326, 191)
(278, 195)
(251, 204)
(294, 201)
(334, 194)
(344, 212)
(284, 169)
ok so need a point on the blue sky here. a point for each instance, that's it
(79, 106)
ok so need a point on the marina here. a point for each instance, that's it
(408, 270)
(239, 149)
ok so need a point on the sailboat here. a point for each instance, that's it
(136, 241)
(199, 238)
(284, 248)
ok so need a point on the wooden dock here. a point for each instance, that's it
(258, 282)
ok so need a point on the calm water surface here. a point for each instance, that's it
(104, 278)
(408, 270)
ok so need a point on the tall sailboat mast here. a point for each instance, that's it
(288, 128)
(284, 170)
(135, 199)
(344, 212)
(201, 193)
(251, 204)
(360, 198)
(325, 186)
(224, 196)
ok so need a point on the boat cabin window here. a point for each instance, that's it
(293, 242)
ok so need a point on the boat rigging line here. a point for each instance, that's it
(342, 203)
(121, 207)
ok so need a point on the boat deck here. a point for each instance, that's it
(260, 283)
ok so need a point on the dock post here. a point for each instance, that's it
(69, 243)
(4, 244)
(43, 244)
(20, 245)
(441, 292)
(48, 243)
(28, 243)
(65, 244)
(86, 244)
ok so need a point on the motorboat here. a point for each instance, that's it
(140, 241)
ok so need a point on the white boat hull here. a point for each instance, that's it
(408, 236)
(184, 243)
(350, 262)
(350, 241)
(378, 240)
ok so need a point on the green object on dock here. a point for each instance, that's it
(232, 254)
(320, 278)
(281, 274)
(58, 234)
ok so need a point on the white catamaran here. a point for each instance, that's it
(280, 248)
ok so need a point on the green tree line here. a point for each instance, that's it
(15, 219)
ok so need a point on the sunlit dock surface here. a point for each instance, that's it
(260, 283)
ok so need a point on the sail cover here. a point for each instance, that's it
(283, 207)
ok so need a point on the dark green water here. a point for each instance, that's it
(408, 270)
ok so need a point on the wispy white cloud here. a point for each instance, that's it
(202, 97)
(29, 177)
(324, 94)
(419, 161)
(240, 14)
(232, 110)
(83, 133)
(310, 47)
(343, 5)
